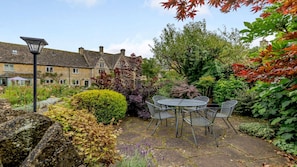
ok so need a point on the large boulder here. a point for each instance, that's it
(32, 139)
(62, 152)
(20, 135)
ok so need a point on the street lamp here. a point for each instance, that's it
(35, 46)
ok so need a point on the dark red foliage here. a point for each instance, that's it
(127, 80)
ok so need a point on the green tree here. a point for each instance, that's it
(150, 68)
(194, 51)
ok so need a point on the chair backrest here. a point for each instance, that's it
(156, 98)
(211, 115)
(202, 98)
(151, 108)
(228, 107)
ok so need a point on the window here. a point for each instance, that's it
(75, 82)
(49, 81)
(75, 70)
(101, 64)
(101, 71)
(8, 67)
(122, 63)
(62, 81)
(14, 52)
(49, 69)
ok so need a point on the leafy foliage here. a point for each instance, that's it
(96, 143)
(257, 129)
(187, 9)
(106, 105)
(183, 90)
(225, 89)
(127, 81)
(23, 95)
(277, 103)
(150, 68)
(193, 51)
(136, 105)
(137, 160)
(278, 59)
(48, 75)
(164, 85)
(246, 99)
(205, 85)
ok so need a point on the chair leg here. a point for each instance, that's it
(194, 135)
(176, 125)
(232, 126)
(156, 127)
(226, 122)
(150, 123)
(214, 135)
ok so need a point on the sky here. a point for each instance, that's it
(114, 24)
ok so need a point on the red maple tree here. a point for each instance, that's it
(187, 8)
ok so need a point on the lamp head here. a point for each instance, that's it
(35, 44)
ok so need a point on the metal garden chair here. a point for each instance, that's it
(225, 112)
(195, 119)
(200, 108)
(158, 114)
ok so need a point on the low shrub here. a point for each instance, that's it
(257, 129)
(95, 142)
(225, 89)
(137, 160)
(246, 99)
(106, 105)
(284, 145)
(205, 85)
(183, 90)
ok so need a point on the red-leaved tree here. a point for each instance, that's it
(188, 8)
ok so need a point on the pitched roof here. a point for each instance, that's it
(52, 57)
(93, 57)
(48, 57)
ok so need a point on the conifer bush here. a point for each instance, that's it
(107, 105)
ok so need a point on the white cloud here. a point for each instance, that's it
(156, 4)
(139, 48)
(256, 42)
(88, 3)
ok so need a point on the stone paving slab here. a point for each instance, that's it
(166, 150)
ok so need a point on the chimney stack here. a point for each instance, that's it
(81, 50)
(101, 49)
(263, 43)
(123, 52)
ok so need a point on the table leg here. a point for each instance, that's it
(176, 123)
(177, 112)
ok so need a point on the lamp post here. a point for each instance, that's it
(35, 46)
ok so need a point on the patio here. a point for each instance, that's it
(166, 150)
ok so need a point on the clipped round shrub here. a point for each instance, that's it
(95, 142)
(107, 105)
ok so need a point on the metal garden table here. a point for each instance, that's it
(180, 103)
